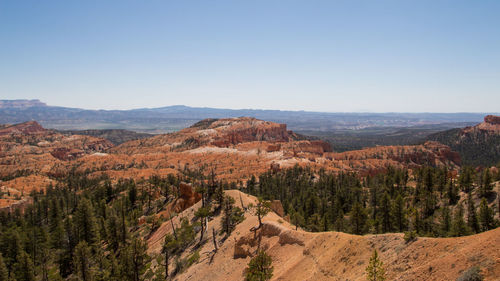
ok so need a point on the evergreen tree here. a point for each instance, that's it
(486, 183)
(459, 227)
(202, 213)
(82, 261)
(113, 231)
(399, 213)
(259, 268)
(385, 213)
(170, 245)
(445, 221)
(231, 215)
(452, 193)
(486, 216)
(358, 219)
(138, 258)
(85, 222)
(471, 215)
(261, 210)
(4, 272)
(375, 270)
(24, 270)
(466, 178)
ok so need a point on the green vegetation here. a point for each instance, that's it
(425, 202)
(259, 268)
(88, 228)
(375, 270)
(83, 228)
(475, 148)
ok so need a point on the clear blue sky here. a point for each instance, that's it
(379, 56)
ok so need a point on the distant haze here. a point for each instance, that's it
(329, 56)
(172, 118)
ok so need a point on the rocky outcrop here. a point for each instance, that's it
(277, 207)
(265, 131)
(247, 245)
(66, 154)
(187, 197)
(492, 119)
(27, 128)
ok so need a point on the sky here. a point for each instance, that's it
(332, 56)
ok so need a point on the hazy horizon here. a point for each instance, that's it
(322, 56)
(271, 109)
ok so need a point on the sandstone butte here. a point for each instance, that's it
(235, 148)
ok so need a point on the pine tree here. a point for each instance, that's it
(399, 213)
(459, 227)
(202, 213)
(375, 270)
(486, 216)
(4, 272)
(138, 257)
(385, 213)
(231, 215)
(445, 221)
(358, 219)
(24, 270)
(452, 193)
(261, 210)
(486, 183)
(85, 222)
(113, 231)
(81, 261)
(259, 268)
(170, 245)
(471, 215)
(466, 179)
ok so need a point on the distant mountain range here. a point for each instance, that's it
(173, 118)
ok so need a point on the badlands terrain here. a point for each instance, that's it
(233, 150)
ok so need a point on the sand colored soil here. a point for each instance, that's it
(300, 255)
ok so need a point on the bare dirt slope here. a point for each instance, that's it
(300, 255)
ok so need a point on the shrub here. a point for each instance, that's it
(472, 274)
(410, 236)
